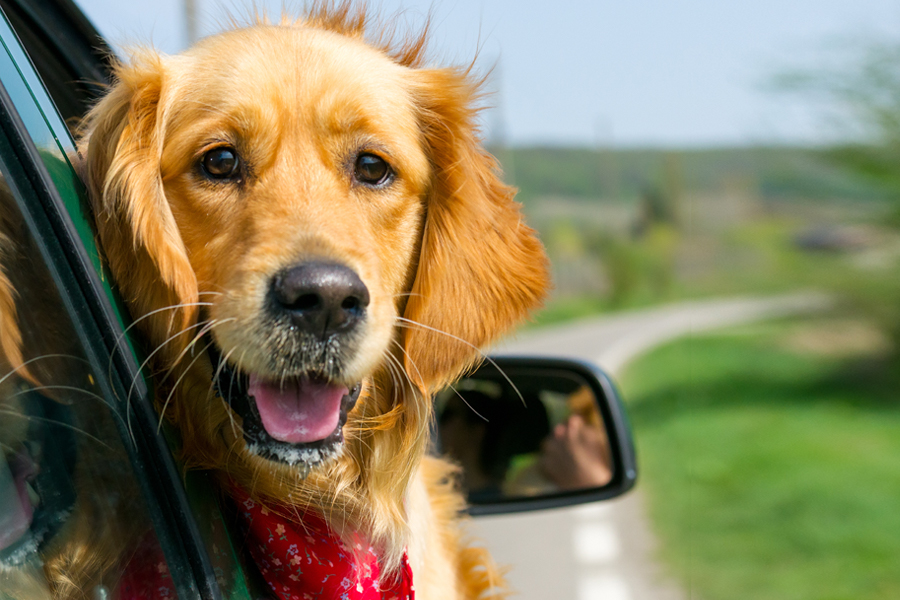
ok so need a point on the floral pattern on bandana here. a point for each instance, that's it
(146, 576)
(305, 560)
(299, 560)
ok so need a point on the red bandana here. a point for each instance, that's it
(298, 560)
(307, 561)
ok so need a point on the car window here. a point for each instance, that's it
(45, 84)
(69, 501)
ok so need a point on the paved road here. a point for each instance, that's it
(605, 551)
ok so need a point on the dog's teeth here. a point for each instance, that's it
(301, 459)
(33, 496)
(101, 592)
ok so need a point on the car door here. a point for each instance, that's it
(81, 442)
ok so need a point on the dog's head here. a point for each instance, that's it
(319, 213)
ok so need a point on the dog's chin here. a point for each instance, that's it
(297, 421)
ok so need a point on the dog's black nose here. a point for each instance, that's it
(321, 298)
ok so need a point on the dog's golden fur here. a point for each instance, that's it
(443, 250)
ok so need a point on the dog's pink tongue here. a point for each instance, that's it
(16, 509)
(299, 411)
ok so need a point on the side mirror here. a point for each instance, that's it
(534, 433)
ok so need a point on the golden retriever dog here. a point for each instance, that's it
(312, 239)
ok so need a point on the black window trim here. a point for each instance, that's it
(68, 30)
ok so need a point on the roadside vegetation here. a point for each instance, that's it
(633, 228)
(769, 460)
(769, 454)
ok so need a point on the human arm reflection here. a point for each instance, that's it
(576, 455)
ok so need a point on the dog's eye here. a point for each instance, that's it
(371, 169)
(221, 163)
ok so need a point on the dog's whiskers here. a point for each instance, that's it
(411, 362)
(60, 387)
(42, 357)
(472, 408)
(206, 327)
(12, 413)
(215, 378)
(118, 347)
(404, 321)
(398, 374)
(197, 337)
(230, 385)
(70, 388)
(155, 351)
(416, 406)
(187, 370)
(117, 344)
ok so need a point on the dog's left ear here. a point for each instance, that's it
(481, 270)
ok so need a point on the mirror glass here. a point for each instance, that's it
(524, 432)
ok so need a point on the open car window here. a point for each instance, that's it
(68, 495)
(39, 90)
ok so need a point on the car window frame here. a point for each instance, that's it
(56, 218)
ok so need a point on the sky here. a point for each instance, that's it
(602, 73)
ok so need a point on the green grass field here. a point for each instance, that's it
(772, 472)
(769, 455)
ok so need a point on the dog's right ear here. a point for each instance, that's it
(481, 270)
(121, 145)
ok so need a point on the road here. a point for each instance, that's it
(606, 551)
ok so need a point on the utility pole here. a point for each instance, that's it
(190, 21)
(499, 128)
(608, 168)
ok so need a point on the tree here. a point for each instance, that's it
(859, 89)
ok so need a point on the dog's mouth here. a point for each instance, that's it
(36, 488)
(294, 420)
(18, 499)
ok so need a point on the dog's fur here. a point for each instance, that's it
(442, 249)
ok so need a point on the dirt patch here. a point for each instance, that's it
(838, 338)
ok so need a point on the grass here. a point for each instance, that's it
(564, 310)
(754, 258)
(772, 471)
(770, 474)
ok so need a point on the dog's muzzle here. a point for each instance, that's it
(294, 410)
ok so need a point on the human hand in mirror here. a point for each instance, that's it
(576, 455)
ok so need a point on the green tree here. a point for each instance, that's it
(859, 91)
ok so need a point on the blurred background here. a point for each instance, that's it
(721, 179)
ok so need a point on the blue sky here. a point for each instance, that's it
(626, 73)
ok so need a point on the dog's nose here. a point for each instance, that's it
(321, 298)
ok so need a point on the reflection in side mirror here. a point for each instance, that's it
(536, 433)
